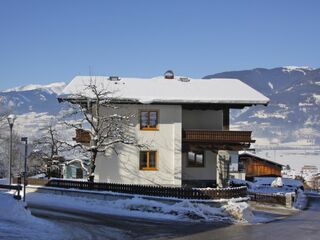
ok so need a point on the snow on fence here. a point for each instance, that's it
(160, 191)
(268, 198)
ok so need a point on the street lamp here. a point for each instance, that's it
(10, 119)
(25, 140)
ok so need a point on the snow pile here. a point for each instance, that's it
(274, 185)
(239, 211)
(138, 207)
(277, 182)
(12, 209)
(270, 185)
(18, 223)
(184, 210)
(301, 200)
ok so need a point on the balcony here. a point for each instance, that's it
(222, 140)
(82, 136)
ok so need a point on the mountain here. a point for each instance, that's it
(56, 88)
(293, 115)
(33, 98)
(36, 106)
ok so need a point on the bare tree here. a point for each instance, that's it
(17, 155)
(107, 125)
(50, 143)
(3, 149)
(3, 124)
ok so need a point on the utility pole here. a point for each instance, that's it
(10, 119)
(25, 140)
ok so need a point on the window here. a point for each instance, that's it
(148, 160)
(195, 159)
(149, 120)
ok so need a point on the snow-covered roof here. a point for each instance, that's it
(161, 90)
(269, 180)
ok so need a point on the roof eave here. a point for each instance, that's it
(241, 104)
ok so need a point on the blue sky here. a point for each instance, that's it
(49, 41)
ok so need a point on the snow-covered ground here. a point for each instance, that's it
(278, 186)
(16, 222)
(270, 185)
(301, 200)
(3, 181)
(233, 211)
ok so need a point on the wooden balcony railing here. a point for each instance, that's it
(207, 136)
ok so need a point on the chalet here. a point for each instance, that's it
(185, 122)
(255, 166)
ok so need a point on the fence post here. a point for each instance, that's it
(18, 197)
(289, 202)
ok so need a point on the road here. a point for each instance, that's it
(304, 225)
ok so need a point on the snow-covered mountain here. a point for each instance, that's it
(56, 88)
(36, 106)
(32, 98)
(293, 114)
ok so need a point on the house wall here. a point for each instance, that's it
(124, 166)
(202, 119)
(208, 172)
(224, 160)
(205, 120)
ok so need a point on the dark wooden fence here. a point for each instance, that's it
(268, 198)
(160, 191)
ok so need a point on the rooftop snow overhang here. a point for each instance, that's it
(197, 92)
(260, 158)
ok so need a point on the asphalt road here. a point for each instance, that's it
(304, 225)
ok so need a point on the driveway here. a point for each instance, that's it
(304, 225)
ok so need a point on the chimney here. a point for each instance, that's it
(169, 74)
(114, 78)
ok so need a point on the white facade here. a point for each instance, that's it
(202, 119)
(172, 163)
(208, 172)
(124, 167)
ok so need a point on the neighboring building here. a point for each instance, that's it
(54, 167)
(291, 173)
(185, 122)
(313, 182)
(75, 169)
(255, 166)
(309, 169)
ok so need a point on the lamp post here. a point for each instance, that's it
(25, 140)
(10, 119)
